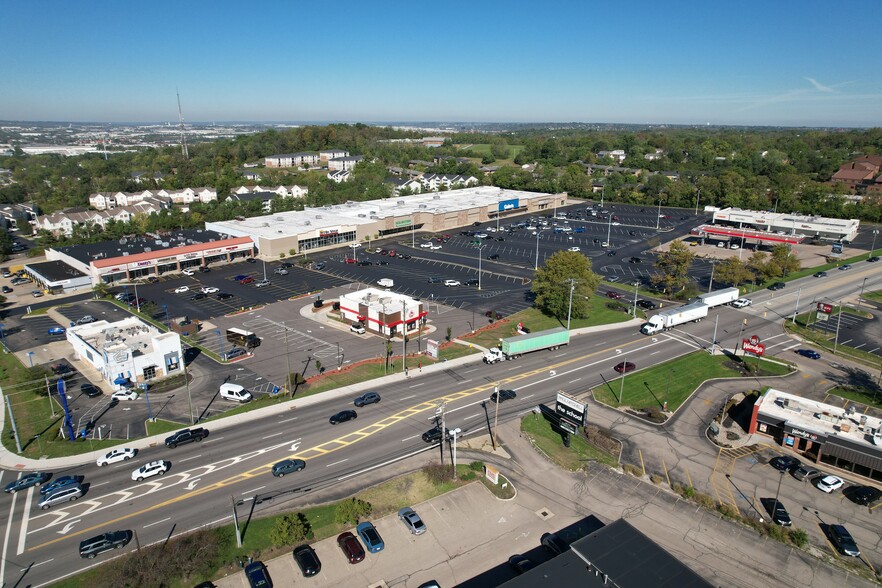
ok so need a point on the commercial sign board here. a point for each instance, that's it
(570, 409)
(508, 204)
(328, 232)
(799, 432)
(432, 348)
(753, 345)
(403, 222)
(825, 308)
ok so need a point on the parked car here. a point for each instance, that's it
(115, 455)
(240, 277)
(148, 470)
(57, 330)
(521, 564)
(435, 280)
(352, 549)
(367, 398)
(6, 289)
(370, 536)
(809, 353)
(90, 390)
(235, 392)
(452, 283)
(343, 416)
(742, 303)
(319, 265)
(26, 481)
(307, 560)
(502, 396)
(65, 494)
(234, 353)
(412, 521)
(247, 280)
(784, 463)
(805, 472)
(91, 548)
(258, 576)
(780, 514)
(281, 271)
(188, 272)
(470, 283)
(553, 543)
(625, 367)
(575, 249)
(198, 296)
(210, 290)
(186, 436)
(493, 256)
(288, 466)
(829, 483)
(262, 283)
(843, 541)
(86, 319)
(357, 328)
(223, 295)
(864, 495)
(182, 289)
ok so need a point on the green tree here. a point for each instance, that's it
(782, 261)
(673, 267)
(352, 510)
(552, 283)
(758, 264)
(733, 271)
(290, 529)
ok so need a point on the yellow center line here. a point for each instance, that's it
(336, 444)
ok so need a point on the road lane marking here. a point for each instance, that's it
(408, 397)
(188, 458)
(409, 438)
(274, 435)
(157, 522)
(288, 420)
(471, 417)
(41, 563)
(6, 538)
(337, 462)
(417, 385)
(24, 520)
(574, 381)
(253, 491)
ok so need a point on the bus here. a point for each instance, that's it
(243, 338)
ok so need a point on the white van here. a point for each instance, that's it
(235, 392)
(386, 282)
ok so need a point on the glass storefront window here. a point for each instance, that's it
(326, 241)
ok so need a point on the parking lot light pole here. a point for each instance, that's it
(480, 251)
(777, 492)
(609, 232)
(220, 343)
(137, 301)
(873, 246)
(636, 289)
(167, 319)
(536, 267)
(697, 196)
(658, 217)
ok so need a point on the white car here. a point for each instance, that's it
(481, 235)
(829, 483)
(154, 468)
(734, 246)
(742, 302)
(386, 282)
(209, 290)
(188, 272)
(574, 249)
(434, 247)
(452, 283)
(235, 392)
(262, 283)
(282, 271)
(355, 245)
(124, 395)
(182, 289)
(115, 455)
(357, 329)
(426, 245)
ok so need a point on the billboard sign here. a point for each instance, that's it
(753, 345)
(403, 223)
(432, 348)
(508, 204)
(570, 409)
(825, 308)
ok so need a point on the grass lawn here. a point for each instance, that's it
(860, 394)
(674, 381)
(482, 149)
(600, 314)
(549, 441)
(875, 295)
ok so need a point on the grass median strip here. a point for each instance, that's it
(580, 452)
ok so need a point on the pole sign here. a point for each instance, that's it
(753, 345)
(825, 308)
(571, 410)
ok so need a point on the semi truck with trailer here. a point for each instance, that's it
(512, 347)
(718, 297)
(668, 319)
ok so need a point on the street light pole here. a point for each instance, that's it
(636, 289)
(861, 295)
(710, 284)
(777, 492)
(697, 196)
(480, 250)
(403, 336)
(873, 247)
(609, 232)
(536, 267)
(838, 322)
(624, 371)
(658, 216)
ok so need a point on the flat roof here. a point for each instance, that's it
(296, 222)
(785, 219)
(376, 299)
(55, 271)
(130, 334)
(816, 417)
(134, 245)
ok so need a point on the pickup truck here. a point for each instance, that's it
(186, 436)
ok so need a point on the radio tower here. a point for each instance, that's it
(183, 135)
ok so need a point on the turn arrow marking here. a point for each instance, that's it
(66, 529)
(192, 484)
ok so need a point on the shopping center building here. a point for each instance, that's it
(787, 224)
(354, 222)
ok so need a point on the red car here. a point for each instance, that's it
(392, 253)
(614, 295)
(349, 260)
(247, 280)
(624, 367)
(351, 547)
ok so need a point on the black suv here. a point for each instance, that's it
(96, 545)
(777, 286)
(470, 283)
(186, 436)
(647, 304)
(433, 435)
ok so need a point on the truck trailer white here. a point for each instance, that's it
(668, 319)
(718, 297)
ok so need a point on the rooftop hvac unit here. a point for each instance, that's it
(318, 216)
(423, 206)
(436, 197)
(307, 223)
(400, 203)
(362, 215)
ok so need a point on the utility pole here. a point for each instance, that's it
(287, 359)
(572, 282)
(714, 340)
(12, 422)
(861, 295)
(609, 232)
(496, 417)
(403, 336)
(838, 322)
(777, 492)
(236, 522)
(187, 383)
(455, 432)
(636, 289)
(439, 412)
(624, 371)
(796, 308)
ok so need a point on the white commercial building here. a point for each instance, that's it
(353, 222)
(126, 351)
(786, 223)
(382, 312)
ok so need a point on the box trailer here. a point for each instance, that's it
(718, 297)
(512, 347)
(668, 319)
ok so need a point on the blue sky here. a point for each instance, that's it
(743, 63)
